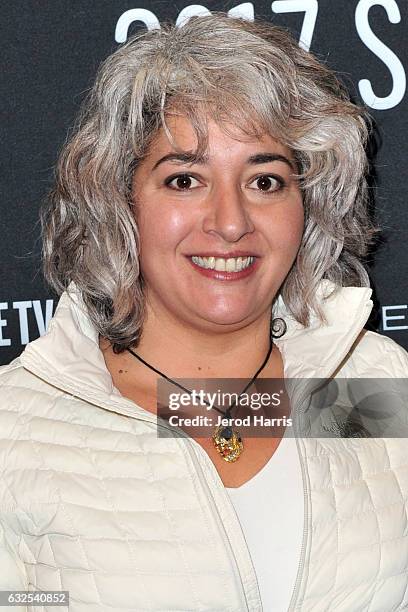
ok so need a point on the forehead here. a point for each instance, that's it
(180, 135)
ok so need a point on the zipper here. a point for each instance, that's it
(195, 447)
(306, 501)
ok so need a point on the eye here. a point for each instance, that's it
(268, 183)
(181, 182)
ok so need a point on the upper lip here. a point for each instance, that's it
(232, 254)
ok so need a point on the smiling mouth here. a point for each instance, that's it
(221, 264)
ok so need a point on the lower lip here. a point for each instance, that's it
(226, 276)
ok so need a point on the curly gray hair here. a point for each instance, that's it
(250, 74)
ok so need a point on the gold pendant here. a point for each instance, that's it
(228, 443)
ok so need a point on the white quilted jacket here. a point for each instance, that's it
(93, 502)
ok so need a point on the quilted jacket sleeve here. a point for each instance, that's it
(12, 572)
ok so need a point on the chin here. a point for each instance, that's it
(230, 317)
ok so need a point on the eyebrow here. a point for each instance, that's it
(188, 157)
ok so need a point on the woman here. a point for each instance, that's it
(216, 176)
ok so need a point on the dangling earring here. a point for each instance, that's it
(278, 327)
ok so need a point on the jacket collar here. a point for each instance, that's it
(68, 355)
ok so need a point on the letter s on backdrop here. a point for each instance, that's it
(385, 54)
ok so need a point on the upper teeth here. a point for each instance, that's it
(232, 264)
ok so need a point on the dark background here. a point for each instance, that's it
(51, 51)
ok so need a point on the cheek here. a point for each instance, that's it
(286, 228)
(161, 229)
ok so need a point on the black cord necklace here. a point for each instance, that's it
(226, 440)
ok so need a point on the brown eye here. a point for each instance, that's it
(267, 183)
(181, 182)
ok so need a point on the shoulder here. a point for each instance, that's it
(375, 356)
(13, 380)
(16, 380)
(23, 396)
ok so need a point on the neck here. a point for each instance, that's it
(184, 352)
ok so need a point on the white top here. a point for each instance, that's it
(270, 509)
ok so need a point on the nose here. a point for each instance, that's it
(227, 216)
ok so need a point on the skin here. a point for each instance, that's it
(220, 209)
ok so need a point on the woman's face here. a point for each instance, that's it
(219, 235)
